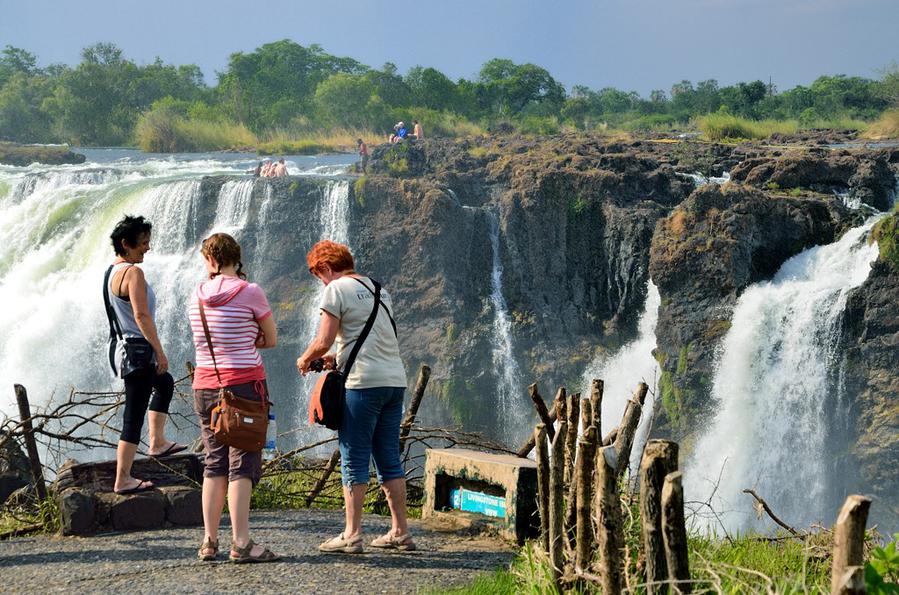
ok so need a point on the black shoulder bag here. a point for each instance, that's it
(329, 395)
(138, 351)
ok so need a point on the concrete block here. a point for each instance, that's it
(505, 476)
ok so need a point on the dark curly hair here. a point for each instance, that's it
(129, 229)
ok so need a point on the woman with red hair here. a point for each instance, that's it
(375, 385)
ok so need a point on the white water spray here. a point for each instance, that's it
(623, 370)
(775, 389)
(509, 392)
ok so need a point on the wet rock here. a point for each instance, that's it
(704, 254)
(77, 509)
(183, 505)
(15, 471)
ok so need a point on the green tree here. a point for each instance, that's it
(14, 61)
(347, 100)
(21, 116)
(277, 81)
(431, 88)
(508, 88)
(390, 86)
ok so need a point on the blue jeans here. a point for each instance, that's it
(371, 429)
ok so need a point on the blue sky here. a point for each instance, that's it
(630, 44)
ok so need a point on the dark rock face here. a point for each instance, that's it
(714, 245)
(575, 218)
(865, 176)
(77, 510)
(872, 357)
(144, 510)
(15, 471)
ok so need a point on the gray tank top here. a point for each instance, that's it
(122, 307)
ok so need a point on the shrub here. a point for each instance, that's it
(722, 126)
(541, 125)
(163, 129)
(886, 234)
(887, 126)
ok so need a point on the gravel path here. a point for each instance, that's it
(164, 561)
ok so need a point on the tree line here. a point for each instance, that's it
(290, 88)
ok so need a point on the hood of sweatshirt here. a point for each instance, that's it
(221, 290)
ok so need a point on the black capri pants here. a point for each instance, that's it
(138, 387)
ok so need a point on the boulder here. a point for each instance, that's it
(143, 510)
(15, 471)
(183, 505)
(77, 510)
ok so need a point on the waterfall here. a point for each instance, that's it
(624, 369)
(777, 389)
(55, 223)
(509, 392)
(333, 222)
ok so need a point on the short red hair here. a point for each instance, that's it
(336, 257)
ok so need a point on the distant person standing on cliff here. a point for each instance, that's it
(417, 130)
(375, 385)
(142, 364)
(363, 155)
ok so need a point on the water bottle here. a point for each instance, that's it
(271, 436)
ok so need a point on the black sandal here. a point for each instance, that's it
(208, 545)
(243, 554)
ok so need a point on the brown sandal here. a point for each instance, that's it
(243, 554)
(209, 550)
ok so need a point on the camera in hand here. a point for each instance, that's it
(317, 365)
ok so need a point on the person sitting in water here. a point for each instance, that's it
(267, 169)
(256, 171)
(279, 170)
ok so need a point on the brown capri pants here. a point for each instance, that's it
(221, 459)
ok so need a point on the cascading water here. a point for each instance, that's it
(777, 389)
(508, 390)
(623, 370)
(55, 224)
(333, 222)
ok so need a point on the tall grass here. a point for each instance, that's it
(719, 127)
(885, 127)
(159, 131)
(312, 142)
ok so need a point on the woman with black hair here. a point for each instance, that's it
(131, 305)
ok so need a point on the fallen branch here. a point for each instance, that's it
(761, 504)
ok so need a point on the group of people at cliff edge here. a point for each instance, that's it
(269, 169)
(239, 323)
(401, 133)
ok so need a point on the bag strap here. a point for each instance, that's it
(383, 305)
(209, 341)
(263, 394)
(365, 330)
(115, 330)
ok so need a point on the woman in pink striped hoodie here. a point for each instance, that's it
(240, 323)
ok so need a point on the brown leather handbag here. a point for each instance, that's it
(235, 421)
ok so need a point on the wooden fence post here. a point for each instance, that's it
(584, 497)
(37, 472)
(529, 444)
(559, 405)
(610, 534)
(629, 422)
(847, 574)
(556, 504)
(542, 412)
(573, 410)
(674, 532)
(542, 484)
(659, 459)
(596, 390)
(424, 374)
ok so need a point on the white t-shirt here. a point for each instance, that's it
(378, 362)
